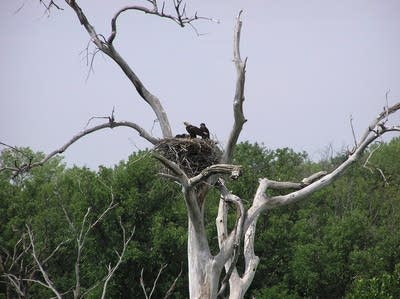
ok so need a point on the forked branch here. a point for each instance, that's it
(48, 283)
(107, 48)
(150, 294)
(180, 17)
(321, 179)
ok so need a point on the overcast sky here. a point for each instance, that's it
(311, 64)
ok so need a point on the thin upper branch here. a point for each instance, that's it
(146, 95)
(18, 169)
(180, 17)
(239, 118)
(85, 23)
(108, 49)
(378, 125)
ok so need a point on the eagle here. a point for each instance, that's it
(205, 131)
(181, 136)
(196, 131)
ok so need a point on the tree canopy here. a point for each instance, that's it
(344, 242)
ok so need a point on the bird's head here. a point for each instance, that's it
(186, 123)
(202, 125)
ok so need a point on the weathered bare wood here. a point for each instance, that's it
(262, 202)
(48, 283)
(111, 124)
(238, 100)
(229, 247)
(107, 48)
(217, 169)
(179, 18)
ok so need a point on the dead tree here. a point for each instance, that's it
(211, 275)
(26, 265)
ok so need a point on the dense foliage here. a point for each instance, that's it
(342, 242)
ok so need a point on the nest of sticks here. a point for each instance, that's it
(191, 154)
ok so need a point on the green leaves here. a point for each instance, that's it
(342, 242)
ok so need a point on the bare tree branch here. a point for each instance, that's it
(352, 131)
(147, 96)
(229, 248)
(262, 202)
(367, 163)
(15, 283)
(180, 17)
(18, 169)
(111, 270)
(16, 266)
(239, 118)
(49, 5)
(154, 283)
(251, 259)
(179, 174)
(107, 48)
(48, 283)
(308, 186)
(377, 126)
(16, 257)
(221, 169)
(80, 239)
(172, 287)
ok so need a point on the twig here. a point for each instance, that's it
(154, 283)
(111, 270)
(173, 285)
(387, 105)
(367, 161)
(352, 130)
(49, 5)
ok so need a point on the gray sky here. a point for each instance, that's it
(311, 64)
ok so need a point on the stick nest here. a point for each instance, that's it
(192, 155)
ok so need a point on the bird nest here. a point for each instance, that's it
(191, 155)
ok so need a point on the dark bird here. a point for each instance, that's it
(182, 136)
(193, 130)
(205, 132)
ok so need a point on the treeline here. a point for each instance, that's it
(343, 242)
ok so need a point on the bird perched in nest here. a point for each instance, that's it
(206, 132)
(182, 136)
(195, 131)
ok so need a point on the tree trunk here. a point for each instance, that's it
(235, 288)
(204, 273)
